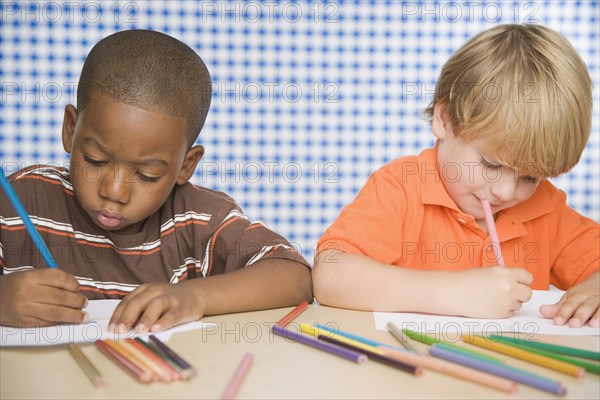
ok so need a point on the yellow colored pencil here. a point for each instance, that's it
(86, 365)
(311, 330)
(524, 355)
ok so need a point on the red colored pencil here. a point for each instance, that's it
(123, 362)
(292, 314)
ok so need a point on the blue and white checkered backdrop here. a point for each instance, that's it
(309, 97)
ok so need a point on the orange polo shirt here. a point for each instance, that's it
(403, 216)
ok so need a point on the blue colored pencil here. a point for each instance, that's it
(361, 339)
(514, 374)
(35, 236)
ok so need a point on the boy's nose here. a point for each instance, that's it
(114, 185)
(504, 189)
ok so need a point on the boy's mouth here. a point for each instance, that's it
(109, 219)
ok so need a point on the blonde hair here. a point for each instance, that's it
(526, 91)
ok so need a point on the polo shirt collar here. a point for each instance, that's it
(432, 188)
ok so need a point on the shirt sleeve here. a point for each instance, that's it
(238, 242)
(576, 249)
(372, 224)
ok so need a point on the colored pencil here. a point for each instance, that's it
(35, 236)
(401, 337)
(314, 332)
(289, 317)
(86, 365)
(237, 378)
(593, 368)
(123, 362)
(504, 371)
(423, 338)
(358, 338)
(528, 356)
(173, 356)
(161, 355)
(380, 358)
(328, 347)
(568, 351)
(159, 368)
(124, 351)
(491, 225)
(457, 371)
(428, 362)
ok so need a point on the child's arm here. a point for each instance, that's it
(269, 283)
(579, 304)
(358, 282)
(40, 297)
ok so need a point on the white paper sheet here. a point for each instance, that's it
(96, 328)
(527, 320)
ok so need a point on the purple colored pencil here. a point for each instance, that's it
(514, 374)
(328, 347)
(172, 355)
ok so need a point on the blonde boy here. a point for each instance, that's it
(512, 107)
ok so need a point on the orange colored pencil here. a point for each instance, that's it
(524, 355)
(122, 350)
(289, 317)
(162, 373)
(123, 362)
(458, 371)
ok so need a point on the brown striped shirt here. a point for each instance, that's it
(198, 232)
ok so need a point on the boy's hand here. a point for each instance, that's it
(40, 297)
(158, 306)
(578, 305)
(492, 292)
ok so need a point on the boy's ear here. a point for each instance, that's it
(190, 162)
(441, 123)
(68, 128)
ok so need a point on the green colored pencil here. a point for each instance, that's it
(554, 348)
(593, 368)
(424, 338)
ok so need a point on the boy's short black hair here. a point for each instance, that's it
(150, 70)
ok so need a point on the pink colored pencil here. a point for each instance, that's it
(292, 314)
(237, 378)
(491, 225)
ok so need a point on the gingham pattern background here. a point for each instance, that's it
(309, 97)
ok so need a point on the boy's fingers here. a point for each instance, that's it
(63, 298)
(57, 278)
(584, 312)
(524, 276)
(52, 314)
(567, 308)
(169, 319)
(595, 321)
(125, 307)
(153, 312)
(549, 310)
(524, 293)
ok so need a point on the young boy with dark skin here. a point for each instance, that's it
(124, 221)
(512, 107)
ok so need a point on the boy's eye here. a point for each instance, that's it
(530, 179)
(146, 178)
(94, 162)
(488, 164)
